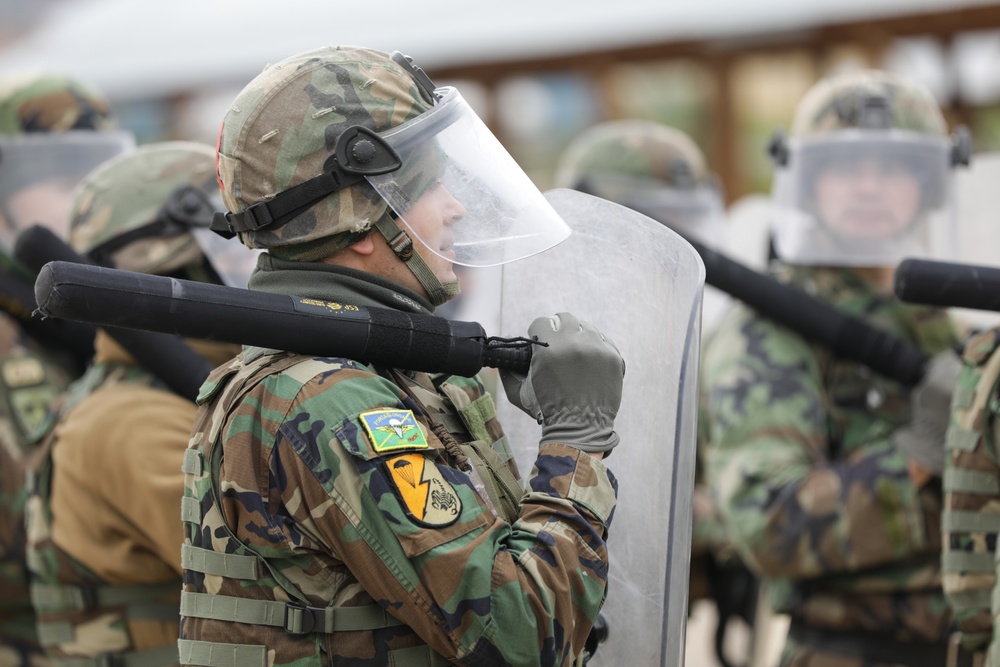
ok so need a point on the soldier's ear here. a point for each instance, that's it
(365, 246)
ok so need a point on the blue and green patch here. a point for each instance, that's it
(393, 430)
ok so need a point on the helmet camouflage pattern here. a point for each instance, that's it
(284, 125)
(633, 148)
(128, 192)
(841, 102)
(51, 103)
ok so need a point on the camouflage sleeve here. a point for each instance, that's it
(790, 510)
(971, 517)
(421, 541)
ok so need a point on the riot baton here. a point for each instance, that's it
(948, 285)
(381, 336)
(167, 357)
(848, 337)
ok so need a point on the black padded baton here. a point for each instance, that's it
(380, 336)
(948, 285)
(846, 336)
(167, 357)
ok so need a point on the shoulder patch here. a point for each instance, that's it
(427, 496)
(393, 430)
(23, 372)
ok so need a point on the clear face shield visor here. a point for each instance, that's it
(864, 198)
(189, 210)
(695, 213)
(460, 193)
(39, 173)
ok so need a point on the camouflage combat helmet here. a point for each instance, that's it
(867, 99)
(651, 168)
(129, 212)
(638, 149)
(282, 129)
(51, 103)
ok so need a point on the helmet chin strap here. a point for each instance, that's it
(402, 245)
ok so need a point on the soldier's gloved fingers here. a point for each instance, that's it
(519, 392)
(544, 329)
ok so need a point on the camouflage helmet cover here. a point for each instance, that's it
(635, 148)
(284, 125)
(837, 103)
(51, 103)
(127, 193)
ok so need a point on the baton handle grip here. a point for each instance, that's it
(516, 359)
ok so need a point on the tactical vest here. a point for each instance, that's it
(968, 560)
(215, 559)
(76, 609)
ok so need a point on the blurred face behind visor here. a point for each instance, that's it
(40, 171)
(460, 193)
(863, 198)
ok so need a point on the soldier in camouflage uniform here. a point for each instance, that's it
(971, 516)
(344, 514)
(660, 172)
(104, 537)
(825, 473)
(52, 131)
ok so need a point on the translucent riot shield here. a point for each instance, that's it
(641, 284)
(977, 201)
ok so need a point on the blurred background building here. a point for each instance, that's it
(727, 72)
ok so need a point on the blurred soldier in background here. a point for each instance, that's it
(827, 475)
(659, 171)
(104, 535)
(53, 130)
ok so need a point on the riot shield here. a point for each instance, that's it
(640, 284)
(977, 200)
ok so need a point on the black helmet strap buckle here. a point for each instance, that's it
(359, 152)
(186, 208)
(424, 83)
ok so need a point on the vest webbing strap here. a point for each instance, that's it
(961, 561)
(970, 600)
(49, 598)
(969, 521)
(971, 481)
(194, 464)
(153, 657)
(962, 439)
(190, 510)
(296, 619)
(965, 394)
(217, 654)
(207, 561)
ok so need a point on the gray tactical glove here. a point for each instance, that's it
(923, 438)
(573, 386)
